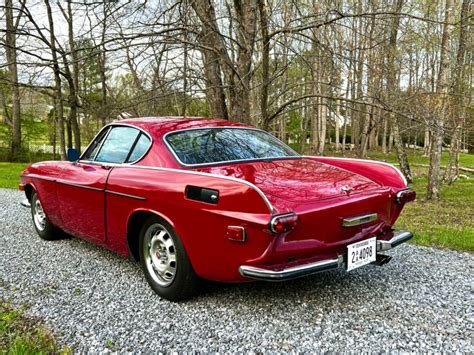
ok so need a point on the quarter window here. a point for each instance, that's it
(140, 148)
(117, 145)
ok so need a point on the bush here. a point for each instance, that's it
(25, 156)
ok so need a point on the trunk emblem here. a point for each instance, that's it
(346, 189)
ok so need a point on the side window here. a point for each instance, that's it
(140, 148)
(117, 145)
(94, 147)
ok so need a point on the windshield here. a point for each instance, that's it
(215, 145)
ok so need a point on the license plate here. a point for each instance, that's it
(361, 253)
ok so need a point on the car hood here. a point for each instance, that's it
(297, 180)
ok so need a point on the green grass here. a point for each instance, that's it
(22, 335)
(465, 160)
(10, 174)
(448, 223)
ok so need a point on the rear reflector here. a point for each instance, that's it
(236, 233)
(21, 187)
(405, 196)
(283, 223)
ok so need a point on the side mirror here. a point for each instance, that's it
(73, 154)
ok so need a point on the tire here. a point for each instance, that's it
(45, 229)
(164, 261)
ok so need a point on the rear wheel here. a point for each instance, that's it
(43, 226)
(164, 261)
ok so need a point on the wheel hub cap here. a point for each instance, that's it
(160, 254)
(39, 215)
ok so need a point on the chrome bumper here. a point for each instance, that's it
(398, 238)
(293, 272)
(25, 203)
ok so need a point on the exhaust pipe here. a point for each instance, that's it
(382, 259)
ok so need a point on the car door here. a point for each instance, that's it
(81, 190)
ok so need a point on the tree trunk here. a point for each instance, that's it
(458, 87)
(384, 135)
(238, 74)
(392, 92)
(433, 190)
(214, 88)
(57, 82)
(10, 51)
(337, 124)
(262, 7)
(104, 114)
(367, 116)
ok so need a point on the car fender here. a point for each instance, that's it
(202, 227)
(382, 173)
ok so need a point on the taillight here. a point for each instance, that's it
(283, 222)
(405, 196)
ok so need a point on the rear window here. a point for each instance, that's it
(217, 145)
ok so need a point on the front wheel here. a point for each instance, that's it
(45, 229)
(164, 261)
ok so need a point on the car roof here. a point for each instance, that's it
(161, 125)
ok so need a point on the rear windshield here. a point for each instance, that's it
(216, 145)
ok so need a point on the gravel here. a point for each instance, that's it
(94, 300)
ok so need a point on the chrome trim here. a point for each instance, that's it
(266, 274)
(111, 125)
(365, 160)
(245, 182)
(165, 141)
(106, 135)
(125, 195)
(358, 220)
(35, 176)
(78, 185)
(272, 221)
(25, 203)
(398, 238)
(291, 272)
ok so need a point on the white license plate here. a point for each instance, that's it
(361, 253)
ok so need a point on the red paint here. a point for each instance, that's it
(320, 191)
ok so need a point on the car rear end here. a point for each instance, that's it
(348, 231)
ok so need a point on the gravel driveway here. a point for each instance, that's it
(95, 300)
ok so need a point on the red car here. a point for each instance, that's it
(196, 199)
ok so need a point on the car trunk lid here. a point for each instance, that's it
(297, 180)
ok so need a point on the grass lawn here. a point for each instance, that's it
(21, 335)
(10, 174)
(465, 160)
(448, 223)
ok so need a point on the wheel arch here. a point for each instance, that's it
(29, 188)
(134, 224)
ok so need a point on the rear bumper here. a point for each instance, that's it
(272, 273)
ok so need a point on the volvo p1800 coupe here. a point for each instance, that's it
(194, 199)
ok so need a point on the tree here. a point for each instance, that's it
(392, 91)
(11, 55)
(442, 108)
(237, 72)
